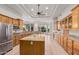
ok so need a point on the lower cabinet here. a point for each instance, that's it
(70, 45)
(62, 42)
(65, 43)
(76, 48)
(32, 47)
(16, 39)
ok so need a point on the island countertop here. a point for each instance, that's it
(34, 37)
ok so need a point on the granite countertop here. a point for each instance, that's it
(73, 37)
(34, 37)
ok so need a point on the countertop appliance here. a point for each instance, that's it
(5, 38)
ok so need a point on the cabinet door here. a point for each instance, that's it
(39, 47)
(32, 47)
(14, 22)
(26, 47)
(62, 42)
(4, 19)
(75, 21)
(75, 18)
(21, 24)
(10, 20)
(0, 18)
(70, 47)
(7, 20)
(14, 41)
(65, 43)
(76, 48)
(17, 22)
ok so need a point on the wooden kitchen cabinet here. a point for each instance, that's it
(18, 36)
(62, 42)
(70, 47)
(26, 48)
(10, 20)
(4, 19)
(32, 46)
(67, 22)
(65, 43)
(76, 48)
(7, 21)
(75, 17)
(20, 23)
(15, 22)
(0, 18)
(40, 47)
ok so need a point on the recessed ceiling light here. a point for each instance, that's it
(46, 8)
(32, 9)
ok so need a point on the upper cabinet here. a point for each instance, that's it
(75, 17)
(67, 22)
(20, 23)
(15, 22)
(12, 21)
(71, 22)
(3, 19)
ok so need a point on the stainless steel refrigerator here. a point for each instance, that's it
(5, 38)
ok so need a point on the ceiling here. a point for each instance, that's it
(49, 10)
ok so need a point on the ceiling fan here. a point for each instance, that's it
(39, 13)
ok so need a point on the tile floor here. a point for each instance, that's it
(51, 48)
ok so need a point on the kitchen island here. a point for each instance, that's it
(32, 45)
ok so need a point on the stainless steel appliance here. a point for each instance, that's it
(5, 38)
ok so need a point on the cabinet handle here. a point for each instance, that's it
(31, 42)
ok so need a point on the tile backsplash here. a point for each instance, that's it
(74, 32)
